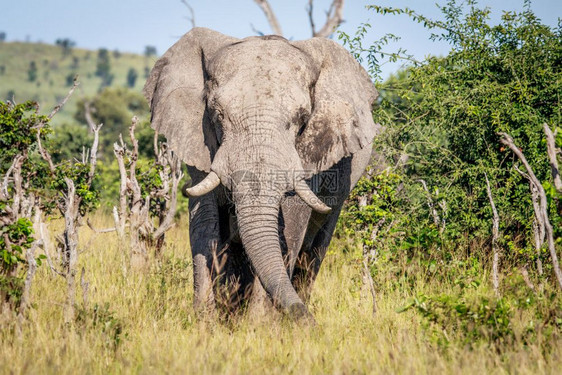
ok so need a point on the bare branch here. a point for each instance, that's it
(495, 237)
(105, 230)
(526, 278)
(190, 8)
(88, 116)
(177, 176)
(25, 297)
(44, 153)
(134, 153)
(543, 206)
(538, 234)
(432, 210)
(16, 165)
(94, 150)
(309, 10)
(539, 230)
(70, 243)
(270, 15)
(136, 209)
(551, 149)
(334, 19)
(370, 285)
(120, 214)
(256, 31)
(59, 106)
(369, 257)
(85, 284)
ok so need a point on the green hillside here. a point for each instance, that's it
(54, 70)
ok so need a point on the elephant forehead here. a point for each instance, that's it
(262, 58)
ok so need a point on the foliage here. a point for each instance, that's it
(371, 206)
(150, 180)
(473, 317)
(485, 318)
(66, 45)
(31, 181)
(132, 75)
(18, 135)
(103, 68)
(374, 53)
(18, 140)
(149, 51)
(32, 72)
(20, 237)
(78, 172)
(442, 116)
(68, 141)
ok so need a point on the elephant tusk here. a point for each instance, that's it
(303, 191)
(207, 185)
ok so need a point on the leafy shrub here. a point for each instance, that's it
(482, 319)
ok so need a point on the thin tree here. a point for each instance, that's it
(70, 206)
(137, 202)
(541, 210)
(495, 237)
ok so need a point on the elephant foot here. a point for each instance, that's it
(260, 303)
(204, 308)
(299, 313)
(203, 297)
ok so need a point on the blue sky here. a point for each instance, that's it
(130, 25)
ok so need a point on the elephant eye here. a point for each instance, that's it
(219, 132)
(301, 129)
(217, 118)
(301, 120)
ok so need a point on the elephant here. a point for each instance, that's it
(275, 134)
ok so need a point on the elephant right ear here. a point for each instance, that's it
(341, 123)
(175, 92)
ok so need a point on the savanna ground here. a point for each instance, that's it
(143, 322)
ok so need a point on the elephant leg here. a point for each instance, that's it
(236, 278)
(334, 186)
(313, 251)
(205, 240)
(294, 214)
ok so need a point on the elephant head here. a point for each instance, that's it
(261, 115)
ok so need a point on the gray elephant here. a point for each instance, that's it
(275, 134)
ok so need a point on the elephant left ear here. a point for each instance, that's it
(341, 121)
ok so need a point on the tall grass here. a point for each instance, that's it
(143, 322)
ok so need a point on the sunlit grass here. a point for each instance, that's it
(145, 324)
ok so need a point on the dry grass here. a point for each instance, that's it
(150, 328)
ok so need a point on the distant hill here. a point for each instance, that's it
(54, 70)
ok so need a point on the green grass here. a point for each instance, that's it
(53, 68)
(146, 324)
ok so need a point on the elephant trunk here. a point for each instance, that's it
(258, 225)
